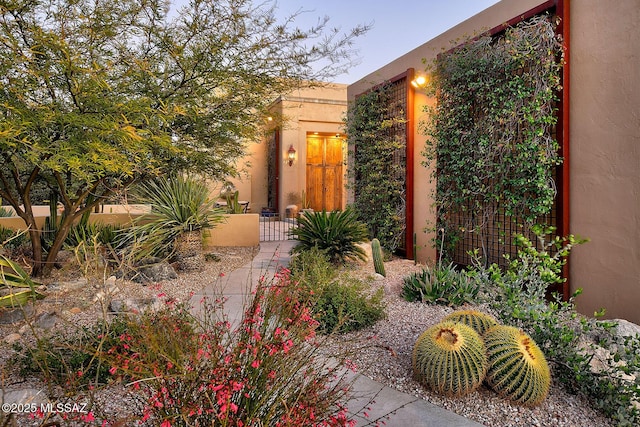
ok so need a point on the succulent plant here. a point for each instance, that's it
(450, 358)
(378, 262)
(517, 367)
(478, 320)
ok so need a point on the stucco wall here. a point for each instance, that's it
(605, 155)
(236, 230)
(604, 144)
(310, 110)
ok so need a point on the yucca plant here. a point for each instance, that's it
(180, 209)
(450, 358)
(518, 369)
(337, 233)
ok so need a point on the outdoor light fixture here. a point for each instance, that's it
(291, 155)
(419, 82)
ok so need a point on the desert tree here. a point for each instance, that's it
(97, 95)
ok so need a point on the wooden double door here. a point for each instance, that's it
(324, 172)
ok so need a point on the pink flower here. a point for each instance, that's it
(255, 364)
(88, 417)
(113, 370)
(165, 423)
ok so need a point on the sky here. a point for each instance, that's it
(398, 26)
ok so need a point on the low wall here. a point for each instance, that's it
(236, 230)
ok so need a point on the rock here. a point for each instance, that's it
(153, 270)
(626, 328)
(11, 338)
(64, 257)
(46, 320)
(110, 282)
(25, 396)
(15, 315)
(135, 305)
(378, 277)
(75, 310)
(74, 284)
(367, 250)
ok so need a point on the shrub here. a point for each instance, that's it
(440, 286)
(196, 369)
(70, 361)
(339, 302)
(518, 296)
(450, 358)
(344, 305)
(338, 233)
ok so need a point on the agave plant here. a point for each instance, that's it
(180, 206)
(19, 287)
(337, 233)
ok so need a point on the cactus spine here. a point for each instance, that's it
(479, 321)
(450, 358)
(517, 367)
(378, 262)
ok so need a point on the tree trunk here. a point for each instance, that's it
(188, 250)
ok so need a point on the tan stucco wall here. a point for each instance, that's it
(320, 109)
(237, 230)
(605, 155)
(604, 144)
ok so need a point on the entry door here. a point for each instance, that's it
(324, 172)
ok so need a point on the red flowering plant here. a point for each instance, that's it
(196, 369)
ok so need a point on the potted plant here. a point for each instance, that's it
(305, 203)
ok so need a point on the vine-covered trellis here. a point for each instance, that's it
(376, 129)
(491, 136)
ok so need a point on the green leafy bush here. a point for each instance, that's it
(339, 302)
(440, 285)
(344, 305)
(338, 233)
(71, 361)
(518, 296)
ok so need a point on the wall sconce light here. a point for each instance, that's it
(419, 82)
(291, 155)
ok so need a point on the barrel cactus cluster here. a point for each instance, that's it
(468, 347)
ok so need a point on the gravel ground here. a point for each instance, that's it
(382, 352)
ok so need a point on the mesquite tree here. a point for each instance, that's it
(97, 95)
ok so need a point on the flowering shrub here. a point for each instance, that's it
(199, 370)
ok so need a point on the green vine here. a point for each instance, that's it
(374, 126)
(491, 133)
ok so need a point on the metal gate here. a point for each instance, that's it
(276, 227)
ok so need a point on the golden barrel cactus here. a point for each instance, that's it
(478, 320)
(518, 369)
(450, 358)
